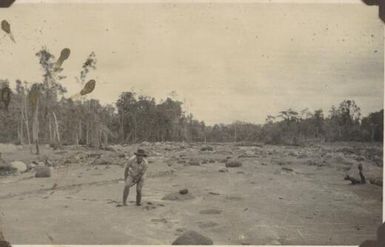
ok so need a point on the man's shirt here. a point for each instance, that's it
(136, 170)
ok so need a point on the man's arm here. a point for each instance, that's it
(126, 172)
(127, 169)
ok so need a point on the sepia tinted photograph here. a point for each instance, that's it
(191, 123)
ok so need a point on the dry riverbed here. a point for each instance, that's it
(279, 195)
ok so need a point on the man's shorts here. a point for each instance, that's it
(130, 181)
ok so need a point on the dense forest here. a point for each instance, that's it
(38, 113)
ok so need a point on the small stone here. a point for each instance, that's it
(211, 211)
(176, 196)
(233, 163)
(194, 163)
(183, 192)
(207, 148)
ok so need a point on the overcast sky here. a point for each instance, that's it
(226, 61)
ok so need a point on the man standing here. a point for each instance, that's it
(133, 174)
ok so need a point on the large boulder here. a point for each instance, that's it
(19, 166)
(192, 238)
(42, 172)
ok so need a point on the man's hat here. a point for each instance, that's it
(140, 152)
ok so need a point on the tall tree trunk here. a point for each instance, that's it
(50, 131)
(21, 132)
(80, 131)
(35, 126)
(87, 134)
(372, 132)
(57, 129)
(26, 119)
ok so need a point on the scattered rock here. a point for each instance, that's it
(19, 166)
(214, 193)
(207, 224)
(162, 220)
(149, 207)
(207, 148)
(210, 211)
(223, 170)
(234, 198)
(94, 155)
(192, 238)
(176, 196)
(42, 172)
(287, 169)
(102, 161)
(194, 163)
(180, 230)
(320, 162)
(183, 192)
(302, 156)
(233, 163)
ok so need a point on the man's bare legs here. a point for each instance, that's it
(126, 191)
(139, 187)
(130, 182)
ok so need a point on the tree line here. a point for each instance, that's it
(38, 113)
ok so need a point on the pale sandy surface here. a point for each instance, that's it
(261, 202)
